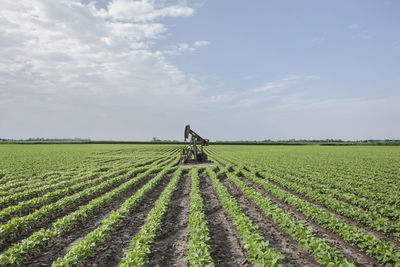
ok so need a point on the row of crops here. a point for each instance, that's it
(263, 206)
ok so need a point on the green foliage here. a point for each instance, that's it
(28, 247)
(276, 172)
(81, 250)
(318, 247)
(198, 244)
(38, 182)
(140, 245)
(259, 252)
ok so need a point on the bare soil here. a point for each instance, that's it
(347, 249)
(199, 165)
(59, 247)
(294, 255)
(226, 246)
(346, 219)
(49, 222)
(170, 246)
(112, 250)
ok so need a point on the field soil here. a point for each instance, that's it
(280, 240)
(376, 168)
(348, 250)
(170, 245)
(226, 246)
(60, 246)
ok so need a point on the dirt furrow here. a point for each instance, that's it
(295, 256)
(347, 249)
(170, 246)
(337, 197)
(48, 223)
(346, 219)
(226, 246)
(59, 247)
(112, 251)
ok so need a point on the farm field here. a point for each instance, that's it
(132, 205)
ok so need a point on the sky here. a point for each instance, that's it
(233, 70)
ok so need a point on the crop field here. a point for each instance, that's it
(132, 205)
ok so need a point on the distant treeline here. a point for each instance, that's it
(83, 141)
(327, 142)
(61, 140)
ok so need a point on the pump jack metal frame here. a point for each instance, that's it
(192, 153)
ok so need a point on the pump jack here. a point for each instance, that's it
(192, 153)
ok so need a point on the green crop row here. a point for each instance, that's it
(22, 165)
(18, 225)
(32, 245)
(372, 180)
(369, 204)
(35, 204)
(354, 193)
(72, 186)
(141, 244)
(259, 252)
(359, 177)
(42, 187)
(199, 236)
(24, 208)
(318, 247)
(16, 183)
(328, 170)
(375, 185)
(64, 187)
(384, 252)
(368, 218)
(83, 249)
(46, 184)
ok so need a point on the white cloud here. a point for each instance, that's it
(180, 48)
(66, 47)
(144, 10)
(201, 43)
(299, 77)
(58, 55)
(271, 87)
(345, 118)
(273, 93)
(136, 31)
(69, 69)
(279, 85)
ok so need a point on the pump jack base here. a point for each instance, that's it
(191, 164)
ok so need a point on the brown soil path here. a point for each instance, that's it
(346, 219)
(59, 247)
(112, 251)
(49, 222)
(348, 250)
(295, 256)
(170, 246)
(226, 246)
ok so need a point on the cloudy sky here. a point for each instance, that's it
(234, 70)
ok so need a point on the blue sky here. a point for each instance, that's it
(131, 70)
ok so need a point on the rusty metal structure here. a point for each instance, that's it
(194, 153)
